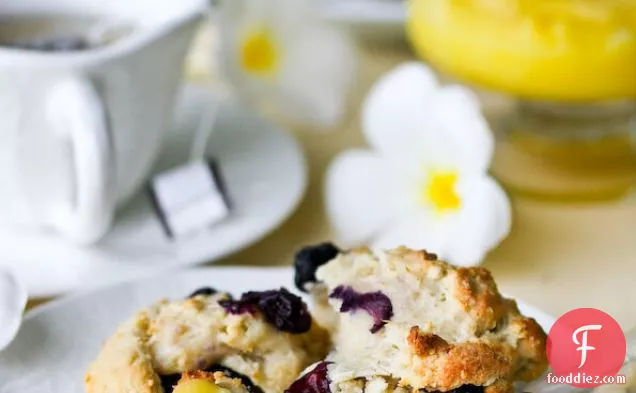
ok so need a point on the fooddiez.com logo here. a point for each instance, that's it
(586, 348)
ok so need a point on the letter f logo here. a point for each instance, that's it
(583, 344)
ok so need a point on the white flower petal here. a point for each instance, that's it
(362, 196)
(502, 220)
(418, 230)
(234, 20)
(13, 300)
(317, 76)
(316, 60)
(458, 117)
(200, 62)
(396, 119)
(286, 14)
(483, 222)
(408, 116)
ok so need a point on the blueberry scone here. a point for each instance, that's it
(401, 320)
(265, 339)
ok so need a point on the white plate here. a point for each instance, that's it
(382, 19)
(265, 173)
(59, 340)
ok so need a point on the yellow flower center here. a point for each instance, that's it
(441, 191)
(259, 52)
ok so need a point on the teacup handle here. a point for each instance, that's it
(77, 113)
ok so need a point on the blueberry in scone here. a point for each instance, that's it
(204, 291)
(314, 380)
(376, 304)
(249, 339)
(308, 260)
(286, 311)
(401, 320)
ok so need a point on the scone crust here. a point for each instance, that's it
(125, 363)
(466, 333)
(453, 365)
(180, 336)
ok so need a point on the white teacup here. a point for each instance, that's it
(79, 130)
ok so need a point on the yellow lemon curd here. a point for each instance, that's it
(199, 386)
(549, 50)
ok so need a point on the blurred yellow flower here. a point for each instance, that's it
(260, 52)
(281, 55)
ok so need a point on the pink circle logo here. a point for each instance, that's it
(586, 348)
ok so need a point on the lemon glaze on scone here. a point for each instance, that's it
(209, 382)
(210, 330)
(401, 319)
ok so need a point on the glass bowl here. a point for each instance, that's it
(569, 66)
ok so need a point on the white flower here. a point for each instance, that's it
(280, 54)
(425, 183)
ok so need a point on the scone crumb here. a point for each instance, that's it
(258, 374)
(217, 375)
(194, 303)
(424, 344)
(428, 256)
(133, 358)
(198, 374)
(402, 383)
(376, 385)
(151, 329)
(143, 322)
(360, 250)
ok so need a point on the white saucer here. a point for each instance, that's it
(59, 340)
(377, 19)
(265, 173)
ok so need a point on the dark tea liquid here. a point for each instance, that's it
(59, 33)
